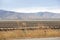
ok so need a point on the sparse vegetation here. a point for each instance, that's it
(30, 33)
(45, 29)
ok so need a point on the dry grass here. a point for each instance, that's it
(30, 33)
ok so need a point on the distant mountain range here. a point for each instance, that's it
(10, 15)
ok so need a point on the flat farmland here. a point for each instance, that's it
(29, 29)
(29, 24)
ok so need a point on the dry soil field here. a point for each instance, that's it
(38, 33)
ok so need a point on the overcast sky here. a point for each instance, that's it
(30, 6)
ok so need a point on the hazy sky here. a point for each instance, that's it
(30, 5)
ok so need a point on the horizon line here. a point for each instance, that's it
(28, 12)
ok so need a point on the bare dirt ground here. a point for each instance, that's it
(56, 38)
